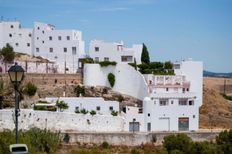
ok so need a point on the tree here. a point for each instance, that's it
(168, 65)
(111, 79)
(61, 105)
(8, 54)
(145, 55)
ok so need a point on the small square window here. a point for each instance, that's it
(106, 59)
(148, 115)
(43, 31)
(50, 38)
(37, 38)
(37, 49)
(29, 34)
(74, 50)
(166, 89)
(50, 49)
(98, 108)
(38, 28)
(28, 44)
(59, 37)
(10, 35)
(96, 49)
(16, 44)
(111, 108)
(11, 26)
(68, 37)
(65, 49)
(43, 42)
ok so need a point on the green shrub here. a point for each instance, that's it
(79, 90)
(39, 107)
(37, 140)
(84, 111)
(227, 97)
(92, 112)
(177, 142)
(107, 63)
(86, 60)
(111, 79)
(105, 145)
(120, 98)
(61, 105)
(135, 151)
(114, 113)
(77, 111)
(224, 141)
(30, 89)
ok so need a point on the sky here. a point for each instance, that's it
(171, 29)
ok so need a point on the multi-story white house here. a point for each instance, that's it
(64, 47)
(173, 101)
(107, 51)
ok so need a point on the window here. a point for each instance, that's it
(97, 59)
(65, 49)
(191, 102)
(148, 115)
(163, 102)
(38, 28)
(37, 49)
(148, 126)
(50, 38)
(43, 42)
(16, 44)
(29, 34)
(96, 49)
(68, 37)
(77, 108)
(28, 44)
(10, 35)
(176, 66)
(74, 50)
(183, 102)
(106, 58)
(20, 35)
(50, 49)
(111, 108)
(126, 58)
(59, 37)
(166, 89)
(98, 108)
(11, 26)
(183, 90)
(43, 31)
(187, 89)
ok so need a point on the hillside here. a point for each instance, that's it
(215, 112)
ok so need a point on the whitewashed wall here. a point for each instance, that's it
(127, 80)
(61, 121)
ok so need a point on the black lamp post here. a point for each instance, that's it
(16, 74)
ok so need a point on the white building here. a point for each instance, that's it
(107, 51)
(64, 47)
(170, 103)
(97, 104)
(173, 102)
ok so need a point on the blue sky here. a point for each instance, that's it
(171, 29)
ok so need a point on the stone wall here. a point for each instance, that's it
(135, 139)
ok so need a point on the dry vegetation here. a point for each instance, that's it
(216, 112)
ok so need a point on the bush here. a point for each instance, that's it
(77, 111)
(177, 142)
(105, 145)
(30, 89)
(135, 151)
(61, 105)
(79, 90)
(92, 112)
(120, 98)
(39, 107)
(111, 79)
(86, 60)
(227, 97)
(107, 63)
(84, 111)
(224, 141)
(114, 113)
(66, 138)
(37, 140)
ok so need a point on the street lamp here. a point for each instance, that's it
(16, 74)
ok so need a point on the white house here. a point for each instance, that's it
(107, 51)
(64, 47)
(97, 104)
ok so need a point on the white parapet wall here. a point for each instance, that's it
(61, 121)
(127, 80)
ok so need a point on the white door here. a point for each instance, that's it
(164, 124)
